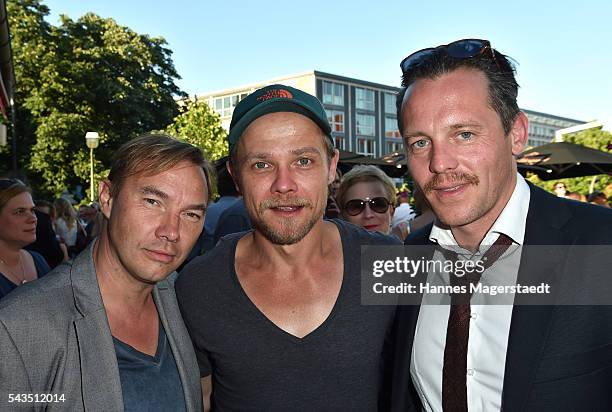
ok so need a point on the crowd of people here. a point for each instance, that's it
(167, 301)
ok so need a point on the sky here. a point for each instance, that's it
(563, 48)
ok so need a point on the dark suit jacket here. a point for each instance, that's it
(558, 357)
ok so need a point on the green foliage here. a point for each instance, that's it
(594, 138)
(89, 74)
(200, 126)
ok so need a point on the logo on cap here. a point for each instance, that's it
(275, 94)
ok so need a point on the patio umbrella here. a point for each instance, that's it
(562, 160)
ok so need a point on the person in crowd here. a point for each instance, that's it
(598, 198)
(17, 230)
(47, 242)
(576, 196)
(234, 219)
(560, 189)
(68, 227)
(425, 215)
(403, 213)
(366, 196)
(275, 314)
(462, 129)
(87, 214)
(332, 210)
(104, 331)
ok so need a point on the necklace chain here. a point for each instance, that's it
(20, 279)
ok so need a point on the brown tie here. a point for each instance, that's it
(454, 385)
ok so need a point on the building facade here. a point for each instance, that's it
(362, 114)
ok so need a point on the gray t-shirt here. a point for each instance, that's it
(255, 365)
(149, 383)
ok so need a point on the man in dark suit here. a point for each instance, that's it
(462, 128)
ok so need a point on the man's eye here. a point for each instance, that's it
(420, 144)
(151, 202)
(193, 216)
(466, 135)
(260, 165)
(304, 161)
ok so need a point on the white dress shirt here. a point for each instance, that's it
(489, 324)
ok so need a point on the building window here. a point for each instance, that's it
(393, 147)
(390, 107)
(339, 142)
(336, 120)
(333, 93)
(391, 129)
(365, 124)
(225, 105)
(364, 99)
(366, 147)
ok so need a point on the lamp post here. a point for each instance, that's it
(92, 139)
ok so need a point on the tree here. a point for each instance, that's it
(88, 74)
(200, 126)
(593, 138)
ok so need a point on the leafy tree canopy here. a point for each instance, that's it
(89, 74)
(201, 126)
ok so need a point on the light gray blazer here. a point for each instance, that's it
(55, 338)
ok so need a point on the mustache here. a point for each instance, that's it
(289, 202)
(453, 178)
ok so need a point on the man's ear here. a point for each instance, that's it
(333, 164)
(519, 133)
(234, 176)
(106, 199)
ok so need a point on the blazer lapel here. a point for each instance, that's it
(101, 384)
(180, 344)
(529, 325)
(98, 364)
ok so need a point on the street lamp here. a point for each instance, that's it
(92, 139)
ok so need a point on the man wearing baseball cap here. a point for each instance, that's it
(274, 313)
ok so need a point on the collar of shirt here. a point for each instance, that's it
(510, 222)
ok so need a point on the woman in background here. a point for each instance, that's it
(67, 226)
(17, 230)
(365, 196)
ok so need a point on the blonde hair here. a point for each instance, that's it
(365, 173)
(65, 211)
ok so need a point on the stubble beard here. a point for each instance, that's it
(287, 231)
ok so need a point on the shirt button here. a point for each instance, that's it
(470, 372)
(473, 315)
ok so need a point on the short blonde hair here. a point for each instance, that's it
(364, 173)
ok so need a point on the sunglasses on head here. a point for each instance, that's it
(5, 183)
(355, 206)
(460, 49)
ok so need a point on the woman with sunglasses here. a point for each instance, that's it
(366, 196)
(17, 230)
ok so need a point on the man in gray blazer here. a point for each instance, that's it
(103, 332)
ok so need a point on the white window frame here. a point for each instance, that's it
(336, 97)
(331, 114)
(360, 127)
(363, 102)
(394, 132)
(362, 146)
(390, 107)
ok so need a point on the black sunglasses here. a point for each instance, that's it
(355, 206)
(460, 49)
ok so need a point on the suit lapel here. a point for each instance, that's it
(101, 384)
(98, 364)
(530, 324)
(178, 338)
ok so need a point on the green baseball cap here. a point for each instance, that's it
(272, 99)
